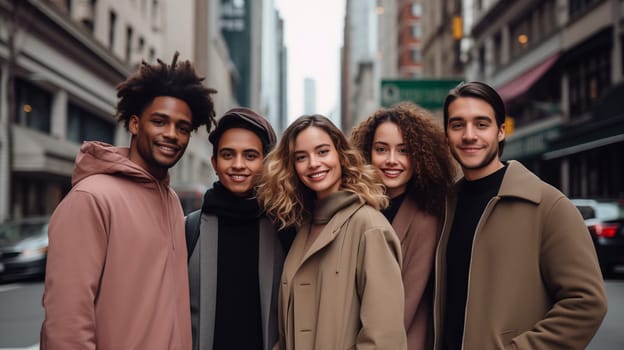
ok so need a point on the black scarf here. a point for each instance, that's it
(223, 203)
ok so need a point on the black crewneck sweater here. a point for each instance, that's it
(238, 321)
(472, 198)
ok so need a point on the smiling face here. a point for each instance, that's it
(160, 135)
(473, 136)
(238, 160)
(317, 162)
(389, 155)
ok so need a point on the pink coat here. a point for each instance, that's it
(116, 274)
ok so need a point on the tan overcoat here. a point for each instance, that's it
(534, 281)
(345, 292)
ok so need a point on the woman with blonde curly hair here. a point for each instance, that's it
(408, 149)
(341, 283)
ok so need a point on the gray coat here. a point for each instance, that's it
(203, 282)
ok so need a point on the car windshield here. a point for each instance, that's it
(15, 231)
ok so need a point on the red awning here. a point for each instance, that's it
(524, 81)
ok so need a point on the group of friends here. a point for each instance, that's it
(318, 241)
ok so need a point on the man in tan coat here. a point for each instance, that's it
(515, 267)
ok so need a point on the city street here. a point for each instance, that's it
(21, 315)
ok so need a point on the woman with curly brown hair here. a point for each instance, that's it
(408, 148)
(341, 283)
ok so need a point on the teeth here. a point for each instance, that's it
(392, 172)
(239, 177)
(317, 175)
(167, 148)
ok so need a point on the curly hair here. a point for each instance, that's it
(177, 80)
(287, 200)
(434, 169)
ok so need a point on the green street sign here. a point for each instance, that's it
(427, 93)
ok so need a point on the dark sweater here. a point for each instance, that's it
(238, 322)
(472, 198)
(392, 209)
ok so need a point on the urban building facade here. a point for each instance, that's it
(410, 38)
(360, 67)
(61, 60)
(441, 32)
(558, 66)
(62, 82)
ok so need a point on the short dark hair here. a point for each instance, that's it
(177, 80)
(482, 91)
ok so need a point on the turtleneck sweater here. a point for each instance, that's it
(392, 209)
(324, 210)
(472, 198)
(238, 289)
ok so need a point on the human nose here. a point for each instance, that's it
(313, 162)
(238, 162)
(392, 157)
(170, 131)
(469, 133)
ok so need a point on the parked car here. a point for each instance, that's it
(605, 220)
(23, 248)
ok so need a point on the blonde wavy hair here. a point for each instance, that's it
(287, 200)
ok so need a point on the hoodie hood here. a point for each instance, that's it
(101, 158)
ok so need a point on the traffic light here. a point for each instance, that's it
(509, 125)
(458, 30)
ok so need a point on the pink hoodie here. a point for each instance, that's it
(116, 274)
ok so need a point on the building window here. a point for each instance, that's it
(89, 18)
(416, 55)
(417, 31)
(152, 54)
(34, 106)
(578, 7)
(141, 46)
(589, 79)
(83, 125)
(481, 61)
(533, 27)
(129, 34)
(154, 15)
(416, 10)
(498, 50)
(112, 24)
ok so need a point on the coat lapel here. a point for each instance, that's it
(403, 219)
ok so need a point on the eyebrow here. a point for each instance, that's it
(315, 148)
(246, 150)
(387, 144)
(478, 118)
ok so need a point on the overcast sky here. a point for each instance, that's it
(313, 36)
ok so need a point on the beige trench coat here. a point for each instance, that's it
(345, 292)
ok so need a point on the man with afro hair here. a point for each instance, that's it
(116, 273)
